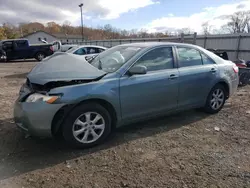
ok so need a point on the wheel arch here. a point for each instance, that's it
(225, 84)
(63, 112)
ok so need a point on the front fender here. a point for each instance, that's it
(107, 90)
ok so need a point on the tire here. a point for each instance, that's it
(40, 56)
(71, 125)
(209, 107)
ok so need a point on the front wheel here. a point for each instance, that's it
(40, 56)
(87, 125)
(216, 99)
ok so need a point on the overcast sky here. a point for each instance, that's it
(153, 15)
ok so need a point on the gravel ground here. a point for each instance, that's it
(190, 149)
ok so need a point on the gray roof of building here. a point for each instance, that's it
(57, 35)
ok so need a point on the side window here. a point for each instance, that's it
(100, 50)
(80, 51)
(157, 59)
(8, 45)
(21, 43)
(188, 57)
(39, 39)
(206, 60)
(91, 50)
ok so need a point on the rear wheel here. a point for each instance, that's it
(87, 125)
(40, 56)
(216, 99)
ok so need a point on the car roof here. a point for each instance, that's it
(6, 40)
(81, 46)
(154, 44)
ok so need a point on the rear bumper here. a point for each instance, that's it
(234, 87)
(50, 53)
(35, 118)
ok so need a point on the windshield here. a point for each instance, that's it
(112, 59)
(72, 49)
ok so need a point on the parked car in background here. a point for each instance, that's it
(219, 53)
(59, 47)
(87, 51)
(127, 83)
(21, 49)
(248, 64)
(66, 47)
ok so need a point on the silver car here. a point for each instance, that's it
(85, 101)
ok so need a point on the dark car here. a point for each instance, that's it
(21, 49)
(219, 53)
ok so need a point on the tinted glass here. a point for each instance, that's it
(91, 50)
(158, 59)
(188, 57)
(100, 50)
(80, 51)
(21, 43)
(206, 60)
(8, 45)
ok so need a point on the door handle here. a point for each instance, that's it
(173, 76)
(213, 70)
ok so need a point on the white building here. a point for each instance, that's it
(38, 36)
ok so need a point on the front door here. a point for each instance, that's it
(8, 47)
(153, 93)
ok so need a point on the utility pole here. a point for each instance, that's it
(81, 5)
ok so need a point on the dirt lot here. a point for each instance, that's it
(183, 150)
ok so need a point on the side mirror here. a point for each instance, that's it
(139, 69)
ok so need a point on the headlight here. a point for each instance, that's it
(39, 97)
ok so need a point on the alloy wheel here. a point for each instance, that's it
(40, 57)
(88, 127)
(217, 99)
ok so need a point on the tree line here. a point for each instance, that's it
(238, 22)
(10, 31)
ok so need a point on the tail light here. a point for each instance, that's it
(235, 68)
(241, 65)
(51, 48)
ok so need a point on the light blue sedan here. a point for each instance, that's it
(84, 101)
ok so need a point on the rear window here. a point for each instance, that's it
(213, 56)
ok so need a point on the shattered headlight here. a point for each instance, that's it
(39, 97)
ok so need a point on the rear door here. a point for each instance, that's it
(21, 49)
(196, 74)
(155, 92)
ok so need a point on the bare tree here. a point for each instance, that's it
(206, 28)
(66, 27)
(186, 31)
(238, 22)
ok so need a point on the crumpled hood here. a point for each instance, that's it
(63, 67)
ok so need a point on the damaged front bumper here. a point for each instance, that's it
(35, 118)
